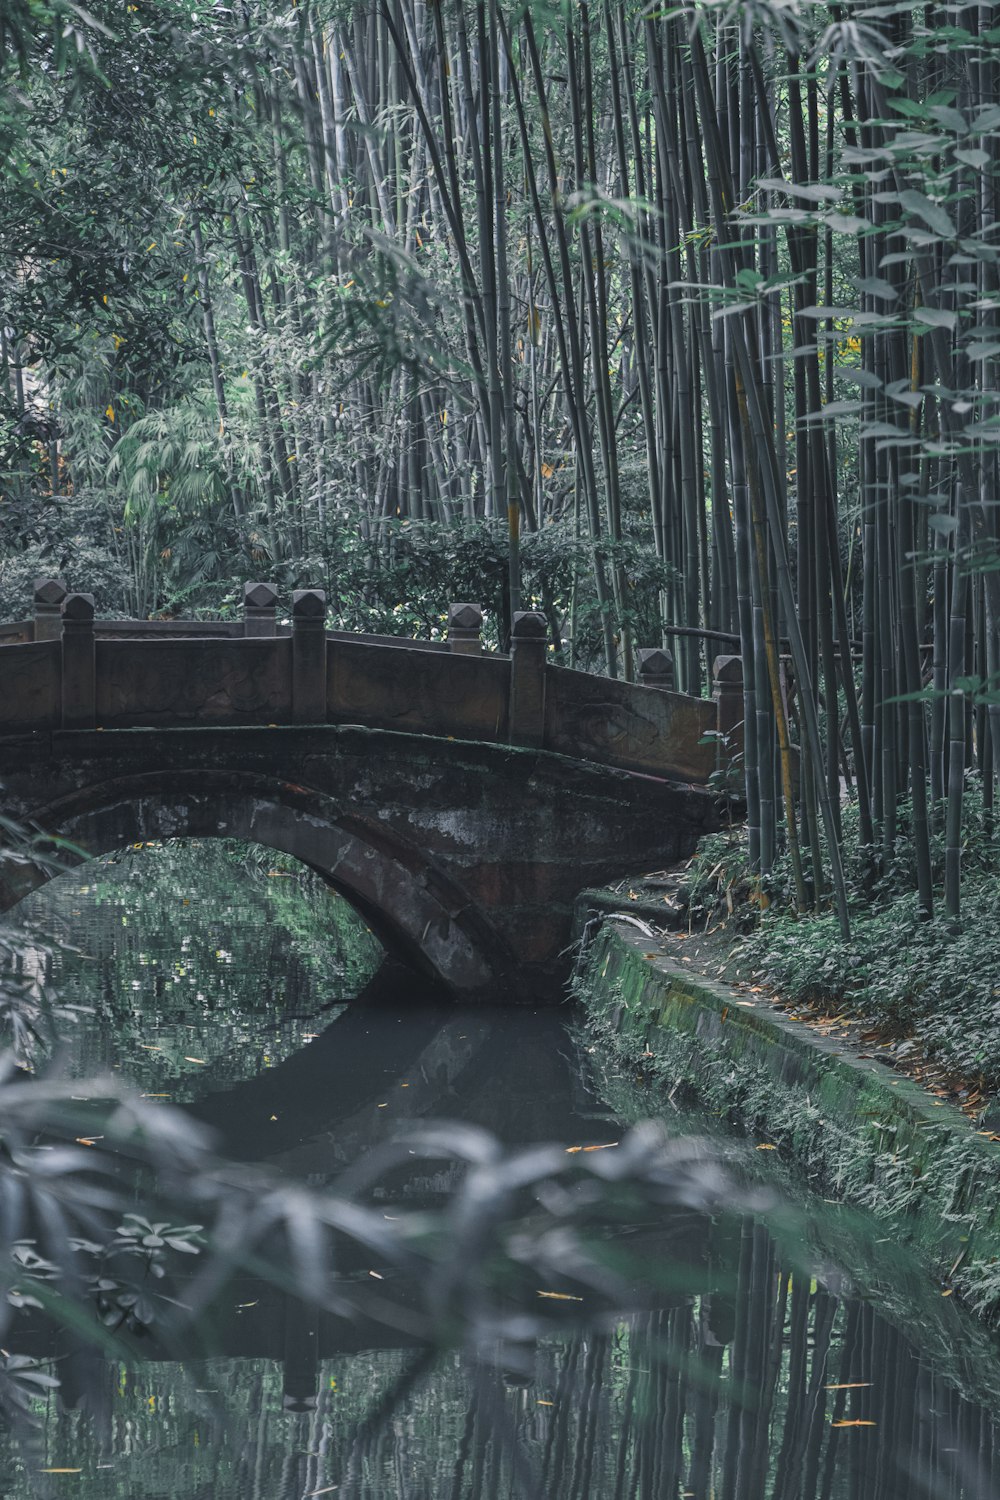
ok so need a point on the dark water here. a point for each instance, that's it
(746, 1366)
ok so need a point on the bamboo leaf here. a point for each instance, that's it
(936, 317)
(815, 192)
(932, 213)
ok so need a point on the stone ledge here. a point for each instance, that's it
(848, 1126)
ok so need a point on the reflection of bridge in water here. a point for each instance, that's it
(380, 1067)
(459, 799)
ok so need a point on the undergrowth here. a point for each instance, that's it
(930, 980)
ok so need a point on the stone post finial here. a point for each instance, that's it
(465, 623)
(49, 595)
(526, 708)
(529, 625)
(79, 685)
(259, 605)
(727, 690)
(656, 668)
(309, 656)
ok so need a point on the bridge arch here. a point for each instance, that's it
(418, 911)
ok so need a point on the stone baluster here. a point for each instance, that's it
(78, 662)
(259, 604)
(309, 656)
(49, 595)
(526, 711)
(465, 622)
(656, 668)
(727, 690)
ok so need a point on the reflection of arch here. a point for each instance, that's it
(412, 905)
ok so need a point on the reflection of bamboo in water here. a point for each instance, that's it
(462, 1456)
(597, 1353)
(710, 1350)
(848, 1355)
(733, 1395)
(625, 1429)
(555, 1446)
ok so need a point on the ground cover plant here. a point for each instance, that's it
(928, 990)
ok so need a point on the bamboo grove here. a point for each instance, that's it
(676, 322)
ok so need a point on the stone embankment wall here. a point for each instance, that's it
(850, 1127)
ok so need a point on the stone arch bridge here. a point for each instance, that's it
(458, 798)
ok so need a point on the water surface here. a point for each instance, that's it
(739, 1369)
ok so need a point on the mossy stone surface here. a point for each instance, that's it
(849, 1126)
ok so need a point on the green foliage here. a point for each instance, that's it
(932, 981)
(69, 539)
(905, 976)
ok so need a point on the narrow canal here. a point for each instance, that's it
(770, 1354)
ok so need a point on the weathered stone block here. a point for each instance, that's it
(656, 667)
(49, 595)
(259, 603)
(78, 662)
(309, 656)
(727, 690)
(526, 712)
(465, 622)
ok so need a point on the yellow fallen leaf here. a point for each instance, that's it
(849, 1385)
(767, 1148)
(854, 1422)
(560, 1296)
(200, 1060)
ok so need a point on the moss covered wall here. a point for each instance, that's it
(850, 1127)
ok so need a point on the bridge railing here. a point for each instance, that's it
(67, 670)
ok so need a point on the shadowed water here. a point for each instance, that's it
(740, 1368)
